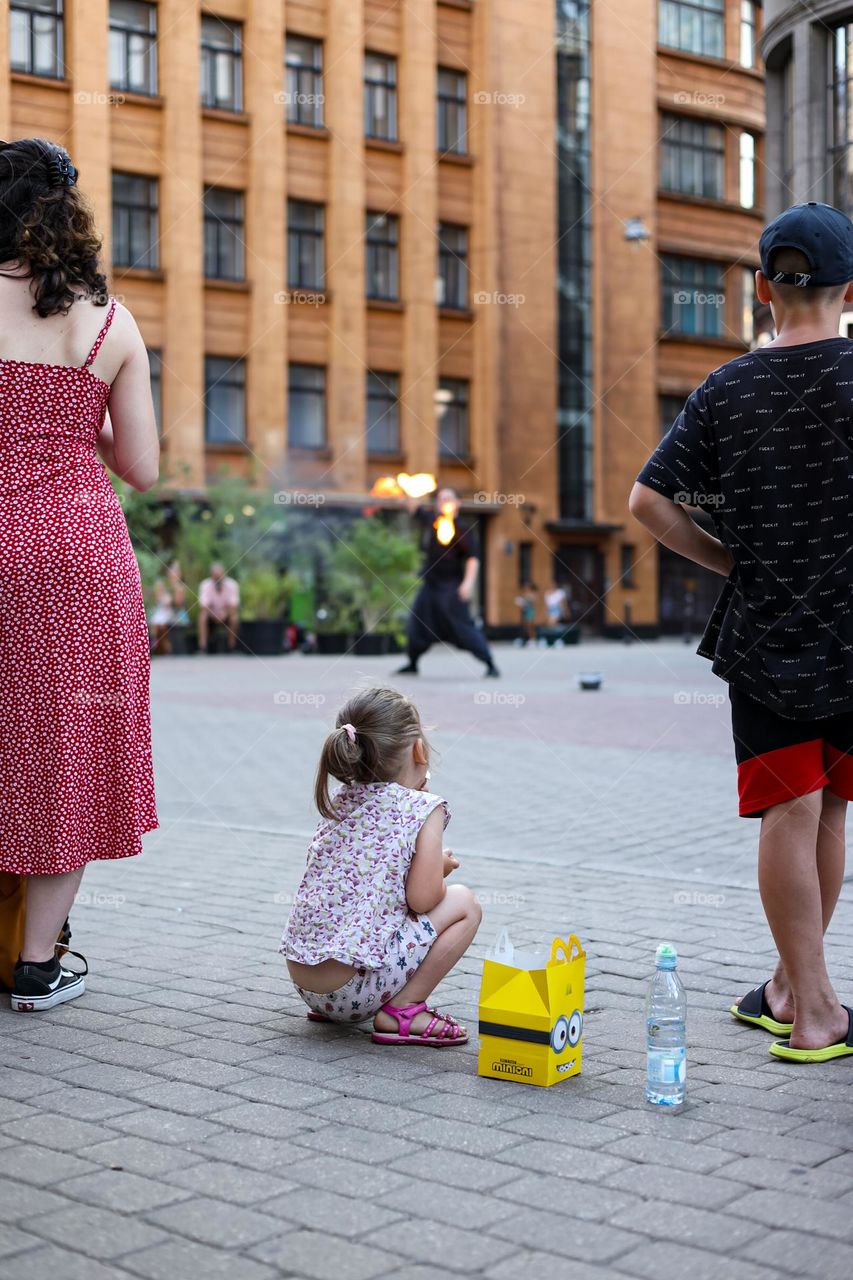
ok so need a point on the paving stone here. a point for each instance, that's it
(139, 1155)
(321, 1256)
(357, 1144)
(188, 1260)
(452, 1205)
(534, 1262)
(210, 1222)
(454, 1168)
(259, 1117)
(319, 1210)
(331, 1172)
(572, 1237)
(231, 1182)
(118, 1189)
(556, 1158)
(164, 1126)
(98, 1233)
(14, 1242)
(50, 1262)
(660, 1257)
(564, 1195)
(772, 1146)
(686, 1225)
(38, 1165)
(694, 1157)
(778, 1209)
(799, 1254)
(700, 1189)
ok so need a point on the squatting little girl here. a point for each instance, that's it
(374, 928)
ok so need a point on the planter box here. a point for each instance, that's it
(333, 642)
(376, 645)
(264, 636)
(568, 632)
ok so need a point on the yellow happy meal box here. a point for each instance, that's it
(531, 1020)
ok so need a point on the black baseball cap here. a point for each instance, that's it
(820, 232)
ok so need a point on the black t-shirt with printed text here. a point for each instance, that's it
(765, 446)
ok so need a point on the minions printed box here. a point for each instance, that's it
(531, 1020)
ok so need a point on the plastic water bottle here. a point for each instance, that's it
(666, 1030)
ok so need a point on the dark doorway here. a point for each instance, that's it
(580, 569)
(686, 594)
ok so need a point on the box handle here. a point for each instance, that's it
(572, 950)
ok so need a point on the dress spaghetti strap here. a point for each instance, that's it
(96, 345)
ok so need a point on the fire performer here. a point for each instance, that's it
(449, 576)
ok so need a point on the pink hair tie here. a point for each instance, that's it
(350, 730)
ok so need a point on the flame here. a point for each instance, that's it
(418, 485)
(445, 525)
(404, 485)
(386, 487)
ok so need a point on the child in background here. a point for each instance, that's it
(374, 928)
(526, 602)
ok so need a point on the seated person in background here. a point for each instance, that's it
(219, 603)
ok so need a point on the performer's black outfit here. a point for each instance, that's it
(438, 613)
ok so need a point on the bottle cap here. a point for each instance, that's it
(666, 956)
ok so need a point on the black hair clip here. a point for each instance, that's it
(60, 170)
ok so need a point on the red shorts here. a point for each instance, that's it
(780, 759)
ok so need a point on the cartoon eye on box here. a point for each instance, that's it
(565, 1033)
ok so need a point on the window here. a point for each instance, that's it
(135, 221)
(36, 36)
(133, 46)
(380, 96)
(692, 157)
(626, 564)
(224, 229)
(224, 400)
(305, 256)
(841, 117)
(693, 296)
(746, 170)
(670, 408)
(525, 563)
(155, 364)
(303, 89)
(748, 306)
(788, 124)
(383, 256)
(451, 412)
(452, 266)
(383, 413)
(695, 26)
(221, 64)
(452, 111)
(748, 32)
(306, 406)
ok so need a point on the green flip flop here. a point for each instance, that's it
(755, 1010)
(841, 1049)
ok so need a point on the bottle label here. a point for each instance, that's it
(667, 1066)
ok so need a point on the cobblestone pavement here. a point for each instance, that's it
(183, 1120)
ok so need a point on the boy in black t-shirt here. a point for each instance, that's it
(765, 446)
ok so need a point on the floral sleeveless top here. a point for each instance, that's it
(352, 896)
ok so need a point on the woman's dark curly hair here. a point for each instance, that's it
(48, 227)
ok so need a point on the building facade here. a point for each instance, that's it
(495, 241)
(334, 221)
(678, 180)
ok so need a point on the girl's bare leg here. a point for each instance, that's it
(456, 920)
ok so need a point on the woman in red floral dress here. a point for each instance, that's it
(75, 741)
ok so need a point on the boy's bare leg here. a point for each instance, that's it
(830, 872)
(791, 893)
(456, 919)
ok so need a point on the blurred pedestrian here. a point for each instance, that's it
(219, 609)
(526, 603)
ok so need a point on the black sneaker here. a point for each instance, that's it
(408, 670)
(35, 987)
(492, 671)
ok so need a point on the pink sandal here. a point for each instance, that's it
(450, 1033)
(313, 1015)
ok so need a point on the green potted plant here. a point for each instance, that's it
(265, 593)
(374, 572)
